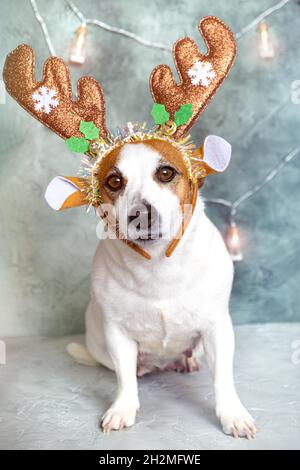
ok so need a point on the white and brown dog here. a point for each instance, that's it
(152, 311)
(146, 315)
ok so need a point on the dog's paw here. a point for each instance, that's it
(117, 418)
(238, 422)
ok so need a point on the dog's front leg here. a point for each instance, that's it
(218, 342)
(123, 352)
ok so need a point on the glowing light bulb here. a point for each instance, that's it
(265, 46)
(78, 46)
(232, 240)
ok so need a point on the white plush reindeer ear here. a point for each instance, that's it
(65, 192)
(216, 153)
(213, 157)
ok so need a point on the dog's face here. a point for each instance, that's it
(148, 186)
(143, 189)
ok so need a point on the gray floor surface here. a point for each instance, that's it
(50, 402)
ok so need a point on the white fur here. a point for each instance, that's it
(164, 306)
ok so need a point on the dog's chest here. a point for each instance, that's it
(165, 328)
(164, 306)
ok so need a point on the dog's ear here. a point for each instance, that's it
(65, 192)
(212, 157)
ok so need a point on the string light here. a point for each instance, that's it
(261, 18)
(43, 27)
(135, 37)
(113, 29)
(265, 45)
(266, 50)
(232, 240)
(78, 46)
(234, 206)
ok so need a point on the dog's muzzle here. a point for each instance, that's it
(143, 222)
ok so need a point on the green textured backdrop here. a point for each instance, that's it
(46, 257)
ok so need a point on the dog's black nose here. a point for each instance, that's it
(145, 212)
(148, 213)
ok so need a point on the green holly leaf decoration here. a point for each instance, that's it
(76, 144)
(89, 130)
(183, 114)
(160, 114)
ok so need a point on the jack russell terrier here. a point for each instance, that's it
(162, 276)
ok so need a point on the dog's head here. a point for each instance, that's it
(146, 188)
(148, 185)
(149, 177)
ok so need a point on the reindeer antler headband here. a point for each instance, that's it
(82, 122)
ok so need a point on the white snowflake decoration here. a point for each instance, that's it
(44, 99)
(202, 73)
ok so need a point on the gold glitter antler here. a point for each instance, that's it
(200, 75)
(50, 100)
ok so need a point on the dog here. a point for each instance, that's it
(143, 317)
(148, 310)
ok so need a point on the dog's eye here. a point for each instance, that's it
(114, 182)
(165, 174)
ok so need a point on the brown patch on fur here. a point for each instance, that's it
(102, 172)
(201, 182)
(169, 153)
(180, 185)
(113, 195)
(105, 167)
